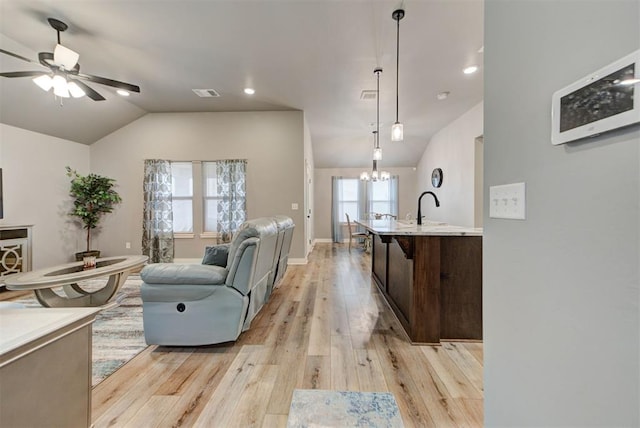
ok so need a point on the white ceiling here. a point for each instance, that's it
(310, 55)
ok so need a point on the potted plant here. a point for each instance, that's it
(93, 196)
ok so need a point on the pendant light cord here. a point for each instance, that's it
(378, 70)
(397, 63)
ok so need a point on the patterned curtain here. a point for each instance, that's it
(157, 223)
(232, 190)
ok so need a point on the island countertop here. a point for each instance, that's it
(410, 228)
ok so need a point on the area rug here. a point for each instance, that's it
(312, 408)
(118, 335)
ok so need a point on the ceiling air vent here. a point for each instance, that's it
(206, 93)
(368, 94)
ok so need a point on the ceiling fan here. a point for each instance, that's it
(64, 71)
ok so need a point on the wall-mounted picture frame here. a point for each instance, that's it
(604, 100)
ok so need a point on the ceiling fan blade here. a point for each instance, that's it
(88, 90)
(16, 56)
(22, 73)
(109, 82)
(65, 57)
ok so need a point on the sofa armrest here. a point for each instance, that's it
(193, 274)
(242, 267)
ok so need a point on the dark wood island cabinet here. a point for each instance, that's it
(431, 276)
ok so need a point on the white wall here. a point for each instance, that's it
(272, 142)
(36, 191)
(452, 150)
(407, 201)
(309, 187)
(561, 288)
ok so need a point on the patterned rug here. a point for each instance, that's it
(117, 332)
(317, 408)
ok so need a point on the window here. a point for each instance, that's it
(211, 197)
(359, 198)
(380, 197)
(182, 196)
(348, 199)
(200, 190)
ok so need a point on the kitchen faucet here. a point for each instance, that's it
(420, 204)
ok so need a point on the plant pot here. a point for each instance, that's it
(93, 253)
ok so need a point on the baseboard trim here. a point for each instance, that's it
(297, 261)
(329, 241)
(322, 241)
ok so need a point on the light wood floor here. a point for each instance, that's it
(326, 327)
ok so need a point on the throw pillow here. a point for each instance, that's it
(216, 255)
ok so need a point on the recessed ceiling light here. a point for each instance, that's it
(249, 91)
(470, 70)
(122, 93)
(443, 95)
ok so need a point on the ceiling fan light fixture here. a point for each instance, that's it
(60, 86)
(75, 90)
(65, 57)
(45, 82)
(63, 63)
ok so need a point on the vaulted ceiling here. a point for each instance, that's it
(314, 55)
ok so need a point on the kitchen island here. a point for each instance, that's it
(431, 276)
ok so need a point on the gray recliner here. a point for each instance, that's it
(285, 228)
(190, 304)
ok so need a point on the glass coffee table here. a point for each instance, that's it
(42, 281)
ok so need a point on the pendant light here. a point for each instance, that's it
(377, 151)
(397, 132)
(374, 171)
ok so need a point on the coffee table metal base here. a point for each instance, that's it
(69, 277)
(77, 297)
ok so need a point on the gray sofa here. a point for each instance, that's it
(281, 256)
(191, 304)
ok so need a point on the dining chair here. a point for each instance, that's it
(357, 235)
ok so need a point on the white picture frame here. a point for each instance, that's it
(606, 99)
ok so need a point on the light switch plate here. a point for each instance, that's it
(507, 201)
(294, 206)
